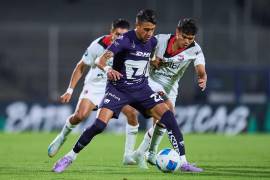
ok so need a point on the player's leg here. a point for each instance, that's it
(167, 119)
(104, 115)
(131, 134)
(83, 110)
(110, 106)
(157, 136)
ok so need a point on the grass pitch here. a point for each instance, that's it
(24, 156)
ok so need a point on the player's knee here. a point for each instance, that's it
(80, 116)
(99, 125)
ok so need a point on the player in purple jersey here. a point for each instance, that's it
(128, 84)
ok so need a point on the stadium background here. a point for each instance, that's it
(41, 41)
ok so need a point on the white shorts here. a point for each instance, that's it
(158, 87)
(94, 94)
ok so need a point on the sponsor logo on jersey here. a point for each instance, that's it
(141, 54)
(172, 65)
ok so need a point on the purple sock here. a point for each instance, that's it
(97, 127)
(175, 135)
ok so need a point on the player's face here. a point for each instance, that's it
(118, 32)
(184, 40)
(145, 30)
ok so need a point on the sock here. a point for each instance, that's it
(183, 159)
(97, 127)
(131, 135)
(175, 135)
(67, 128)
(72, 154)
(156, 138)
(146, 141)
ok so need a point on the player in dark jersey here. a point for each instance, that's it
(128, 84)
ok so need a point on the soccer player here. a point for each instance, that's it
(93, 92)
(173, 55)
(128, 84)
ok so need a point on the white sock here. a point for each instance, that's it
(131, 135)
(72, 154)
(183, 159)
(67, 128)
(156, 138)
(146, 141)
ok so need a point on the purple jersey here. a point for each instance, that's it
(131, 58)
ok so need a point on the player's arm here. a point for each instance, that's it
(102, 64)
(75, 77)
(202, 76)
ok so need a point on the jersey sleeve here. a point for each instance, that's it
(199, 57)
(91, 53)
(118, 45)
(158, 49)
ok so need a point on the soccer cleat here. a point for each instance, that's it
(56, 145)
(139, 158)
(190, 168)
(128, 160)
(62, 164)
(151, 158)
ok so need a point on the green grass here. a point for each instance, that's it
(24, 156)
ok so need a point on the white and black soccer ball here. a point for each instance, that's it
(168, 160)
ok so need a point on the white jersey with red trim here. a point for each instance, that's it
(173, 66)
(96, 76)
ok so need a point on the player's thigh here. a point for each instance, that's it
(112, 103)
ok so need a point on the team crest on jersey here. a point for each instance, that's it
(180, 57)
(106, 101)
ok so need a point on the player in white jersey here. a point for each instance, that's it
(173, 55)
(93, 92)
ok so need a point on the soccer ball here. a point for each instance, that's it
(168, 160)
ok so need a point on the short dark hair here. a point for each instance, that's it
(187, 26)
(120, 23)
(146, 15)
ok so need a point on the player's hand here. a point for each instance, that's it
(65, 98)
(113, 74)
(202, 83)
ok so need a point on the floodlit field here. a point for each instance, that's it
(24, 156)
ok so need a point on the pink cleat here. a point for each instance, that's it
(62, 164)
(190, 168)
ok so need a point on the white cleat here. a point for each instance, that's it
(140, 159)
(56, 145)
(128, 160)
(151, 158)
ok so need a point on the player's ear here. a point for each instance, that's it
(177, 32)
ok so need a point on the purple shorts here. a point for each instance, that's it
(142, 99)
